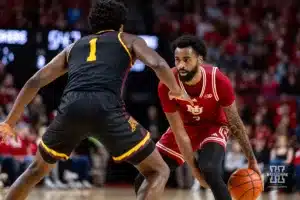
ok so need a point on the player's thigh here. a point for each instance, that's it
(171, 162)
(211, 155)
(60, 139)
(124, 138)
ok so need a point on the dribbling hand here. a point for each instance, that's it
(254, 166)
(5, 132)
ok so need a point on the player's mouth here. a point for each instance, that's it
(183, 73)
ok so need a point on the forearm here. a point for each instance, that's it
(185, 147)
(239, 132)
(165, 74)
(25, 96)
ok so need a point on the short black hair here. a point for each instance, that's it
(190, 41)
(107, 14)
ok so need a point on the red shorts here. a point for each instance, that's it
(199, 136)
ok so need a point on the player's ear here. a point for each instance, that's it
(200, 59)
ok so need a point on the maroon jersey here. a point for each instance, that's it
(205, 121)
(209, 95)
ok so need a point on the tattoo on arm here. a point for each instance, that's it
(238, 130)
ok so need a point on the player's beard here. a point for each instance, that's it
(189, 74)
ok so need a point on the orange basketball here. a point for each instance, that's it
(245, 184)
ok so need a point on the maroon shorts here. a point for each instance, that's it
(199, 136)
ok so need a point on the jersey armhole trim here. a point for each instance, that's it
(126, 48)
(214, 86)
(70, 49)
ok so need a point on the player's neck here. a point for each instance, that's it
(196, 79)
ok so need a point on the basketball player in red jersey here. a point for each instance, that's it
(205, 125)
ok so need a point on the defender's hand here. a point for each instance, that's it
(180, 95)
(5, 132)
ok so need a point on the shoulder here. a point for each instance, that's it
(80, 41)
(128, 38)
(219, 75)
(211, 70)
(208, 68)
(68, 49)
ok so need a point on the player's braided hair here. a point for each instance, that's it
(190, 41)
(107, 14)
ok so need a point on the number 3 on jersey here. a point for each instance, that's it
(92, 56)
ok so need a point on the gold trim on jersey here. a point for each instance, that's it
(126, 48)
(134, 149)
(52, 152)
(108, 30)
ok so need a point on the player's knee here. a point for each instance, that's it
(167, 173)
(162, 171)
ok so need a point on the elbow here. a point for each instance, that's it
(34, 82)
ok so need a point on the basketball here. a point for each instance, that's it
(245, 184)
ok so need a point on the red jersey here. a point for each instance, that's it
(209, 95)
(297, 158)
(19, 146)
(204, 122)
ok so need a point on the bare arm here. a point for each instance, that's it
(53, 70)
(238, 130)
(157, 63)
(185, 146)
(182, 138)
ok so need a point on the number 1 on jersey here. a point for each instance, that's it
(92, 56)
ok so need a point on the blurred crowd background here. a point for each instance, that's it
(255, 42)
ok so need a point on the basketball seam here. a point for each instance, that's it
(249, 173)
(244, 183)
(252, 184)
(244, 193)
(248, 189)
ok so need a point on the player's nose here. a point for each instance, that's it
(181, 66)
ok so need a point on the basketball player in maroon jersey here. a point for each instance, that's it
(205, 125)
